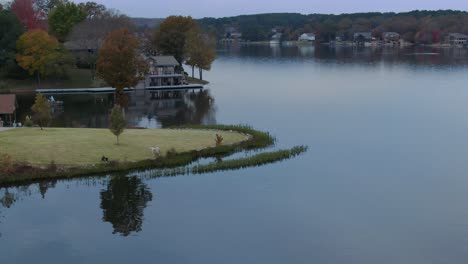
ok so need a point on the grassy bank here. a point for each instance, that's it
(197, 81)
(21, 171)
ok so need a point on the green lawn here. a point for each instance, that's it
(81, 146)
(197, 81)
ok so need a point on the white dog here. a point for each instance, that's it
(156, 151)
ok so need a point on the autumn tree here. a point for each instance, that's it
(117, 122)
(41, 54)
(42, 111)
(171, 36)
(88, 34)
(29, 15)
(63, 18)
(200, 50)
(94, 10)
(119, 62)
(47, 5)
(10, 30)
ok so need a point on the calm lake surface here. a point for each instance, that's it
(385, 179)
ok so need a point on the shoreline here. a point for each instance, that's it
(256, 140)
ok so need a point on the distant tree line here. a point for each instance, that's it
(419, 27)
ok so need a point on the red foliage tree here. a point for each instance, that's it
(28, 14)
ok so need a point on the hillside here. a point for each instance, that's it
(421, 27)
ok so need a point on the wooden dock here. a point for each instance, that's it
(110, 90)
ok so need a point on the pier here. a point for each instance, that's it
(110, 90)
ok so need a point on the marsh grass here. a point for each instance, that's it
(253, 161)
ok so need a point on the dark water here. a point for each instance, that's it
(385, 179)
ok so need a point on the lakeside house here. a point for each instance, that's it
(276, 38)
(82, 51)
(307, 37)
(234, 35)
(362, 38)
(164, 71)
(231, 35)
(391, 38)
(8, 107)
(457, 39)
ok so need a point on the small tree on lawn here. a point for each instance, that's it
(42, 111)
(117, 122)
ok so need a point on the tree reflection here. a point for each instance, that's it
(8, 199)
(45, 186)
(193, 108)
(123, 204)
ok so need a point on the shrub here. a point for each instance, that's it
(28, 121)
(219, 140)
(52, 166)
(171, 152)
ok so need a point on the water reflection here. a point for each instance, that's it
(144, 109)
(386, 182)
(353, 55)
(123, 203)
(153, 109)
(45, 186)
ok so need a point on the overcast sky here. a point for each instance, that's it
(222, 8)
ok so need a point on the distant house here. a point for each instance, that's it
(236, 35)
(8, 107)
(362, 37)
(233, 33)
(276, 38)
(82, 50)
(307, 37)
(340, 38)
(391, 38)
(456, 39)
(164, 71)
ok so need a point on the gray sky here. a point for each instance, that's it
(220, 8)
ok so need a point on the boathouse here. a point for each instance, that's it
(164, 71)
(8, 107)
(307, 37)
(392, 38)
(360, 38)
(457, 39)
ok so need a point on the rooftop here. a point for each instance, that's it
(458, 35)
(7, 104)
(391, 34)
(164, 60)
(364, 34)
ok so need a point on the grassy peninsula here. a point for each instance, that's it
(26, 152)
(82, 146)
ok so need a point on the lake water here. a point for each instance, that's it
(385, 179)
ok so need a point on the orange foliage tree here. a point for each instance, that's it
(119, 62)
(41, 54)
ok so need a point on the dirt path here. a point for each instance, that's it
(6, 128)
